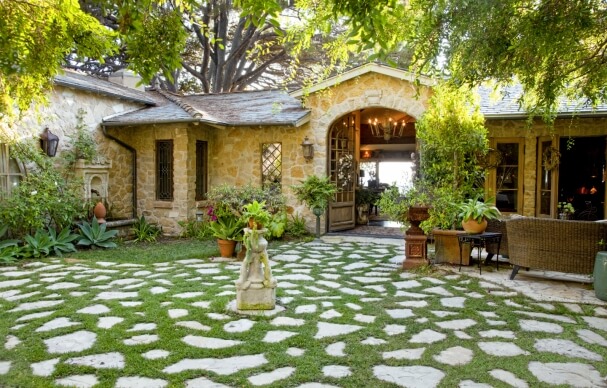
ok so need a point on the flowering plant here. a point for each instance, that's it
(566, 208)
(344, 170)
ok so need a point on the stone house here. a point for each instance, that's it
(161, 152)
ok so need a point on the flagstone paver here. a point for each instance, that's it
(335, 299)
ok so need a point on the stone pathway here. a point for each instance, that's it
(351, 319)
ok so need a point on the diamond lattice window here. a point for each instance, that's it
(271, 165)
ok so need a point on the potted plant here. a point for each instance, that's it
(566, 210)
(256, 215)
(364, 199)
(451, 137)
(475, 213)
(315, 192)
(227, 229)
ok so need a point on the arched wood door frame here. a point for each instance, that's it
(342, 162)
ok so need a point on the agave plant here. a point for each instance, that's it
(37, 246)
(9, 249)
(95, 235)
(63, 241)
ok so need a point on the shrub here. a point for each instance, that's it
(94, 235)
(144, 231)
(195, 229)
(9, 248)
(296, 226)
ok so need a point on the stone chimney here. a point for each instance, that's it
(126, 78)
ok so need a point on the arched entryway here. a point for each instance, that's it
(369, 149)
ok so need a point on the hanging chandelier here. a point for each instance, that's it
(387, 129)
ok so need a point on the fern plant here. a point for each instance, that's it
(94, 235)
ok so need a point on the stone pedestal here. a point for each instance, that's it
(415, 251)
(256, 287)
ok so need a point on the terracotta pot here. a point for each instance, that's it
(226, 247)
(254, 224)
(446, 247)
(99, 211)
(472, 226)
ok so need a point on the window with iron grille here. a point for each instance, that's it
(201, 169)
(11, 172)
(164, 170)
(271, 165)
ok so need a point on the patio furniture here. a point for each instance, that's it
(479, 240)
(553, 245)
(497, 226)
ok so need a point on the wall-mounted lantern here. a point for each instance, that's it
(49, 142)
(199, 216)
(308, 149)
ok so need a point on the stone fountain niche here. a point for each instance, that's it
(95, 178)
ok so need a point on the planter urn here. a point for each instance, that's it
(416, 242)
(226, 247)
(600, 275)
(255, 287)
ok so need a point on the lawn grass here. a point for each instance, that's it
(489, 311)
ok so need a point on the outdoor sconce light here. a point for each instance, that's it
(199, 215)
(49, 142)
(308, 149)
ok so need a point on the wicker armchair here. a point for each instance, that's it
(497, 226)
(553, 245)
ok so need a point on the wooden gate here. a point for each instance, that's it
(342, 163)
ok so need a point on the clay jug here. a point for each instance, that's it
(99, 211)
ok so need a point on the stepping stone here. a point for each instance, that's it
(540, 326)
(137, 382)
(218, 317)
(353, 306)
(295, 277)
(5, 366)
(96, 309)
(501, 349)
(368, 279)
(443, 314)
(572, 374)
(44, 368)
(124, 282)
(455, 302)
(456, 355)
(14, 295)
(336, 349)
(427, 336)
(596, 323)
(336, 371)
(186, 295)
(405, 354)
(112, 360)
(286, 258)
(239, 326)
(373, 341)
(364, 318)
(203, 382)
(271, 377)
(13, 283)
(158, 290)
(73, 342)
(473, 384)
(79, 381)
(11, 342)
(62, 286)
(409, 376)
(108, 322)
(414, 295)
(508, 378)
(305, 309)
(143, 327)
(286, 321)
(554, 317)
(326, 329)
(329, 314)
(205, 304)
(130, 304)
(462, 335)
(221, 366)
(113, 295)
(566, 348)
(208, 271)
(357, 265)
(395, 329)
(56, 324)
(400, 313)
(143, 339)
(407, 284)
(193, 325)
(591, 337)
(209, 342)
(36, 305)
(456, 324)
(275, 336)
(295, 352)
(438, 291)
(316, 385)
(413, 303)
(177, 313)
(352, 291)
(156, 354)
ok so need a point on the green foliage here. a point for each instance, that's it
(144, 231)
(227, 228)
(95, 235)
(393, 204)
(62, 243)
(255, 214)
(296, 226)
(474, 209)
(566, 207)
(83, 144)
(444, 210)
(315, 192)
(231, 199)
(195, 229)
(9, 248)
(44, 198)
(37, 246)
(366, 197)
(277, 224)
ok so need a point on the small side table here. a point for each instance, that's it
(479, 241)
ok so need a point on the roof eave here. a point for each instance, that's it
(74, 85)
(147, 122)
(523, 116)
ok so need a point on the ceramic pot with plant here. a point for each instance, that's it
(475, 213)
(315, 192)
(256, 215)
(227, 229)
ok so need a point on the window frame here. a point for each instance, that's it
(5, 160)
(165, 187)
(202, 169)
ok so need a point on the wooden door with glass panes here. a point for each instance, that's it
(508, 180)
(342, 163)
(547, 179)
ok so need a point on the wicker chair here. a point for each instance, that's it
(500, 227)
(553, 245)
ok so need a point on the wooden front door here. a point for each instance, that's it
(342, 162)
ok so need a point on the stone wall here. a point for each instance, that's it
(522, 129)
(60, 117)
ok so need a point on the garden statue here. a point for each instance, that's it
(255, 288)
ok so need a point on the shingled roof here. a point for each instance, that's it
(79, 81)
(266, 107)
